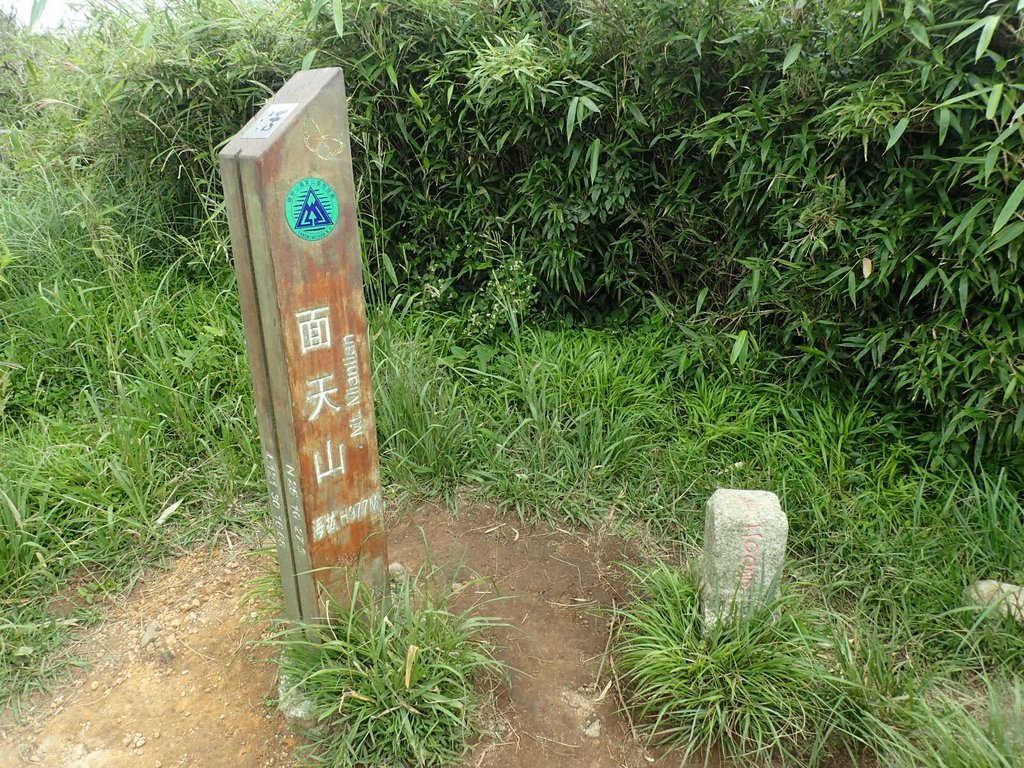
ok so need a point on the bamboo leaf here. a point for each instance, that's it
(791, 56)
(988, 30)
(967, 32)
(595, 153)
(994, 97)
(896, 132)
(1009, 208)
(38, 6)
(967, 221)
(416, 99)
(919, 32)
(943, 119)
(924, 282)
(570, 117)
(338, 10)
(702, 295)
(307, 60)
(595, 87)
(739, 348)
(1007, 235)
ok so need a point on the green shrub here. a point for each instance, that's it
(838, 185)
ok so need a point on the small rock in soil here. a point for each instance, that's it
(151, 634)
(397, 571)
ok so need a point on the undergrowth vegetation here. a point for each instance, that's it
(620, 254)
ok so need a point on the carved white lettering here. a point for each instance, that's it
(335, 463)
(314, 329)
(333, 521)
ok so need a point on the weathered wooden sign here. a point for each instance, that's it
(291, 208)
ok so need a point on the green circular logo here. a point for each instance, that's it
(311, 209)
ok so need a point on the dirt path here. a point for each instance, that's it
(175, 679)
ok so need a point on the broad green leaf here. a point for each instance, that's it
(990, 161)
(595, 154)
(943, 120)
(637, 114)
(919, 32)
(594, 87)
(994, 97)
(924, 282)
(791, 56)
(415, 97)
(1009, 208)
(739, 348)
(967, 220)
(146, 35)
(896, 132)
(702, 295)
(1007, 235)
(988, 30)
(38, 6)
(574, 158)
(967, 32)
(570, 117)
(338, 8)
(307, 60)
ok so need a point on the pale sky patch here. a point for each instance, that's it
(55, 13)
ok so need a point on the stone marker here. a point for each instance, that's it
(744, 548)
(1009, 598)
(291, 209)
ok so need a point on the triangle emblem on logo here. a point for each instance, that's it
(313, 214)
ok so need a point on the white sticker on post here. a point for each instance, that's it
(268, 120)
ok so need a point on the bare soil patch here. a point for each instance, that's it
(175, 676)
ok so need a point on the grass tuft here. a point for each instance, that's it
(758, 689)
(395, 685)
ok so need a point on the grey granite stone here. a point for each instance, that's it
(1008, 597)
(744, 549)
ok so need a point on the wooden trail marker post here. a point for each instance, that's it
(291, 209)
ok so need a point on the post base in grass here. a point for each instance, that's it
(298, 708)
(744, 548)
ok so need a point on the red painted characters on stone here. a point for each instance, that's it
(752, 538)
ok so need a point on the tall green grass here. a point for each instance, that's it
(125, 410)
(596, 425)
(797, 685)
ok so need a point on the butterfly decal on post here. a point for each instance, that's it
(323, 146)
